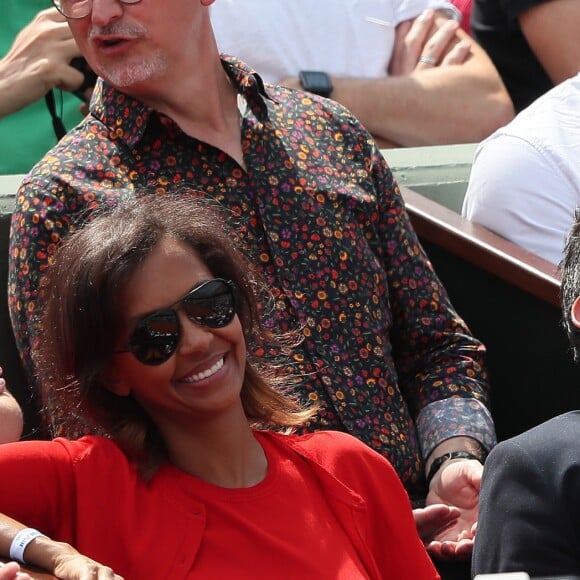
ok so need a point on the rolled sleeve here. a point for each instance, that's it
(455, 417)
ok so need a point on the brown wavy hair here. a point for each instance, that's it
(81, 318)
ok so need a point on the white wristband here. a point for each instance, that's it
(20, 541)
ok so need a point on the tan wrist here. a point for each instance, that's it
(45, 553)
(453, 444)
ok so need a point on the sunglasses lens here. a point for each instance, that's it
(211, 304)
(155, 337)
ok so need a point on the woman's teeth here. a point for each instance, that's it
(207, 373)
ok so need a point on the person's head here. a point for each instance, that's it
(133, 43)
(570, 291)
(142, 308)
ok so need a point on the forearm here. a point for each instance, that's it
(559, 53)
(41, 552)
(435, 106)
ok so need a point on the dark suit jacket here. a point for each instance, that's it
(529, 507)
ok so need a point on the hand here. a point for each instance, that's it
(429, 37)
(457, 484)
(434, 519)
(37, 62)
(11, 571)
(75, 566)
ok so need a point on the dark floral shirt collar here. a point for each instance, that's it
(131, 127)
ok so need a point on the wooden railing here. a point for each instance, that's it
(509, 298)
(476, 244)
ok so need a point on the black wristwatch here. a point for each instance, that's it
(315, 81)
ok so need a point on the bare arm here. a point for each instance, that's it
(559, 53)
(37, 62)
(59, 558)
(430, 105)
(423, 104)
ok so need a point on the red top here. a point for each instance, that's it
(329, 507)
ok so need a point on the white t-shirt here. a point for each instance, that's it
(278, 38)
(525, 179)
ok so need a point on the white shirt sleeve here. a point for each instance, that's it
(518, 192)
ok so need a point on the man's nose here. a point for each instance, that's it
(104, 12)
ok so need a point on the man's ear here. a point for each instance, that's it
(575, 313)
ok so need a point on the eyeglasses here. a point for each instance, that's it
(156, 336)
(80, 8)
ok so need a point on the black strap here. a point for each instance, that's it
(57, 124)
(436, 465)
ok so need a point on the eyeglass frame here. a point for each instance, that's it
(171, 312)
(58, 5)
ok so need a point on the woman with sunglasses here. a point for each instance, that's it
(150, 319)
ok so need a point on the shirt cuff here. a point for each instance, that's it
(455, 417)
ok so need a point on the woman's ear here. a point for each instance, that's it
(111, 380)
(575, 313)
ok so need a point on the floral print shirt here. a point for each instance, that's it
(384, 353)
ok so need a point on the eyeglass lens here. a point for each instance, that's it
(79, 8)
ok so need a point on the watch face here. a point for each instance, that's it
(317, 82)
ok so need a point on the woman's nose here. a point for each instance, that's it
(194, 337)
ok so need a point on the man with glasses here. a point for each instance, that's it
(384, 353)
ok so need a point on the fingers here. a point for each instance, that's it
(70, 79)
(436, 47)
(11, 571)
(50, 14)
(458, 54)
(449, 550)
(41, 55)
(434, 519)
(416, 39)
(426, 42)
(99, 572)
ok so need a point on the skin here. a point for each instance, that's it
(558, 53)
(194, 417)
(11, 421)
(575, 312)
(37, 62)
(201, 419)
(412, 106)
(11, 571)
(119, 39)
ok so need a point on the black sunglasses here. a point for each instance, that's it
(156, 336)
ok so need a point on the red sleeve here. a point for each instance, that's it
(37, 485)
